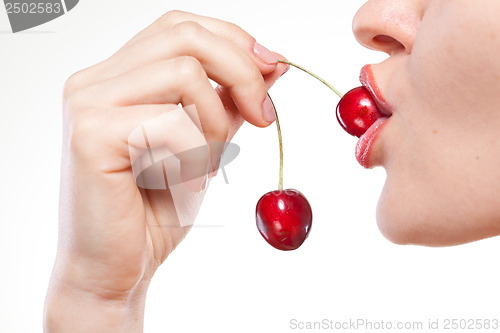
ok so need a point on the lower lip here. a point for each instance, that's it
(366, 142)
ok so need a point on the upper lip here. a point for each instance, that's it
(368, 81)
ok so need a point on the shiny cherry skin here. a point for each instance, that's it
(284, 218)
(357, 111)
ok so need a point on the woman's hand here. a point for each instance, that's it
(114, 234)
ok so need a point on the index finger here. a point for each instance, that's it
(265, 61)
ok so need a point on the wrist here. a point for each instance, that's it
(72, 309)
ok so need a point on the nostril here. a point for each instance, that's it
(384, 39)
(387, 43)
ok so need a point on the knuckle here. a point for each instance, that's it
(82, 130)
(71, 85)
(190, 68)
(74, 102)
(188, 30)
(237, 32)
(170, 18)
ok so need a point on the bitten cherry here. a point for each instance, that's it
(357, 111)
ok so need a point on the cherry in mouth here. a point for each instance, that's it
(357, 111)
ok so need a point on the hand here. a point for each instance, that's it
(114, 234)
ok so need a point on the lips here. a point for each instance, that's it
(367, 79)
(366, 155)
(366, 143)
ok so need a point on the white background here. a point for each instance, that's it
(228, 279)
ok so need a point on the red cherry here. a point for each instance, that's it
(357, 111)
(284, 218)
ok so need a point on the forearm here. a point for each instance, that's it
(71, 310)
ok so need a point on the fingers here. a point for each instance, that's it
(155, 142)
(228, 54)
(179, 80)
(234, 117)
(160, 144)
(221, 59)
(185, 38)
(281, 69)
(171, 62)
(224, 29)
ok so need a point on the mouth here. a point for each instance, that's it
(366, 153)
(367, 79)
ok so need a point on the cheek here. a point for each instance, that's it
(454, 65)
(443, 180)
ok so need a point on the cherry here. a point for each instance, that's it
(284, 217)
(357, 111)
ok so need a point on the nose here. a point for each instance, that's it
(388, 25)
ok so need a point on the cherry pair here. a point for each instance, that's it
(284, 217)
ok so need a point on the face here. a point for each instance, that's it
(441, 146)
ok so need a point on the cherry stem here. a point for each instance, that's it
(314, 75)
(280, 187)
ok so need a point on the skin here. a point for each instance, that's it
(438, 148)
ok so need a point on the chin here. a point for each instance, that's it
(405, 220)
(399, 231)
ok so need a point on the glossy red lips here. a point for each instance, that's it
(363, 112)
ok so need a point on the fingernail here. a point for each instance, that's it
(268, 110)
(264, 54)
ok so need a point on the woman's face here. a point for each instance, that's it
(441, 146)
